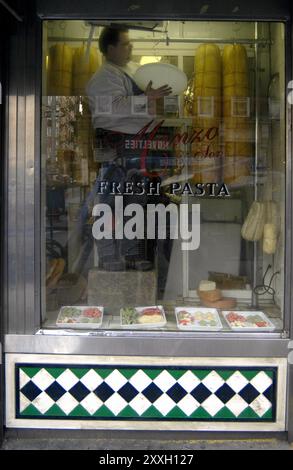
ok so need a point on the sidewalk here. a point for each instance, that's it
(12, 443)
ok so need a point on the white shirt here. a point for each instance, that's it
(112, 103)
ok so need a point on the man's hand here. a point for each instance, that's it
(157, 93)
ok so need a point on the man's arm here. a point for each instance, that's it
(113, 95)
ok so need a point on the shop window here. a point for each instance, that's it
(164, 212)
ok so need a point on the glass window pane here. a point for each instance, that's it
(158, 199)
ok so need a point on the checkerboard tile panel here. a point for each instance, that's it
(47, 391)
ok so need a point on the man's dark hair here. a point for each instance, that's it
(110, 36)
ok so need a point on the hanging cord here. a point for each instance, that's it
(263, 288)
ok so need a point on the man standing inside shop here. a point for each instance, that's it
(112, 90)
(120, 110)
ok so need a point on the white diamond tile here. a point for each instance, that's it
(140, 404)
(67, 379)
(43, 402)
(116, 380)
(67, 403)
(91, 380)
(23, 379)
(213, 381)
(212, 405)
(164, 381)
(91, 403)
(236, 405)
(260, 405)
(116, 403)
(188, 381)
(140, 380)
(24, 402)
(188, 404)
(164, 404)
(43, 379)
(261, 381)
(237, 381)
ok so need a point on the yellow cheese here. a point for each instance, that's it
(207, 111)
(206, 286)
(235, 58)
(270, 239)
(59, 70)
(236, 114)
(253, 227)
(207, 58)
(84, 66)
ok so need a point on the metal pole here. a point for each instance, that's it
(170, 40)
(254, 298)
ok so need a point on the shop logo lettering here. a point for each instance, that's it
(198, 136)
(162, 222)
(146, 140)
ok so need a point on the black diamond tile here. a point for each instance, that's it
(55, 391)
(269, 393)
(249, 393)
(201, 393)
(152, 392)
(128, 392)
(176, 392)
(31, 391)
(225, 393)
(103, 391)
(79, 391)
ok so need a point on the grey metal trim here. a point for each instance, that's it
(290, 403)
(146, 346)
(22, 157)
(169, 9)
(289, 42)
(288, 262)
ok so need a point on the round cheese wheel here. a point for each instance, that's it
(161, 74)
(207, 286)
(210, 296)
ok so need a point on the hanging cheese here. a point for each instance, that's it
(272, 214)
(59, 70)
(206, 150)
(236, 114)
(85, 64)
(253, 227)
(271, 228)
(269, 239)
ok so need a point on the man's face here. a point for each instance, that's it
(121, 53)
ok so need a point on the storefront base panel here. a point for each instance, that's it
(145, 393)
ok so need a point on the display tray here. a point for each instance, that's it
(142, 317)
(248, 321)
(198, 318)
(85, 317)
